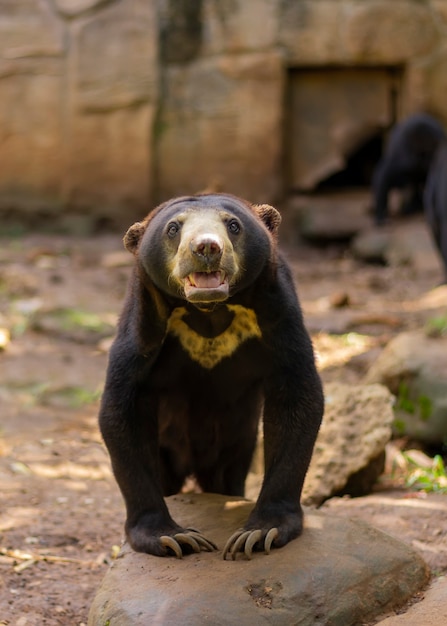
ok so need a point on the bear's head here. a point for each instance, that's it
(204, 248)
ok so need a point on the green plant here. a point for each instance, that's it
(399, 426)
(403, 400)
(425, 407)
(72, 323)
(70, 319)
(72, 397)
(436, 326)
(422, 405)
(428, 479)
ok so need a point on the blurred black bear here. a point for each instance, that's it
(405, 164)
(211, 337)
(435, 202)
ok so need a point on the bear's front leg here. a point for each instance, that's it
(149, 526)
(128, 422)
(293, 410)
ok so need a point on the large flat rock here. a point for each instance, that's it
(341, 572)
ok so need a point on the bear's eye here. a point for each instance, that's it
(234, 227)
(172, 229)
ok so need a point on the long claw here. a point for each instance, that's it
(236, 542)
(209, 545)
(183, 538)
(253, 538)
(193, 539)
(270, 536)
(245, 540)
(230, 542)
(171, 543)
(239, 543)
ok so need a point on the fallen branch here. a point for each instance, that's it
(375, 318)
(29, 559)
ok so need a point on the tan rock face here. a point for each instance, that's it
(27, 28)
(311, 32)
(221, 121)
(102, 148)
(123, 45)
(355, 430)
(218, 114)
(427, 82)
(239, 26)
(322, 137)
(390, 32)
(31, 117)
(31, 151)
(74, 7)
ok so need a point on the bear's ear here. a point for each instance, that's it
(133, 236)
(270, 216)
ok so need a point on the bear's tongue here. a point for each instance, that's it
(206, 280)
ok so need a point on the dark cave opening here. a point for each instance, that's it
(359, 168)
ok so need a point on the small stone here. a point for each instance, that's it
(339, 299)
(371, 246)
(5, 338)
(20, 468)
(332, 219)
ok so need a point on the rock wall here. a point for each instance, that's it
(107, 106)
(79, 89)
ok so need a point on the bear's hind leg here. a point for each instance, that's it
(172, 475)
(237, 442)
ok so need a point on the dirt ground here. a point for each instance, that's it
(61, 515)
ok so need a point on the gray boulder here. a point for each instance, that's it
(400, 243)
(329, 218)
(414, 368)
(340, 572)
(371, 245)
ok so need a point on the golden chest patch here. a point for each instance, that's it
(210, 351)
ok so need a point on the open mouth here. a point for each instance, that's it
(206, 286)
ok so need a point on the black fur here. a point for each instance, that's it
(164, 416)
(435, 202)
(406, 162)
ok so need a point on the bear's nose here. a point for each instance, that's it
(207, 246)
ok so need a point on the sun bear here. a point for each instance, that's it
(406, 162)
(435, 202)
(211, 338)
